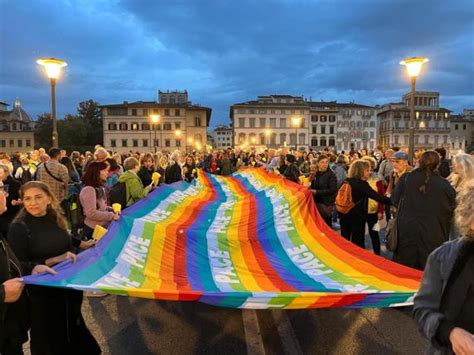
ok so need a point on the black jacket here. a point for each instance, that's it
(361, 192)
(145, 175)
(173, 173)
(292, 172)
(13, 194)
(444, 168)
(424, 219)
(325, 184)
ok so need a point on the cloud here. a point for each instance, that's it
(225, 51)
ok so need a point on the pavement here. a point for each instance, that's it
(124, 325)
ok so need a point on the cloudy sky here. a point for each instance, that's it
(227, 51)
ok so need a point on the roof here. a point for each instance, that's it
(17, 114)
(352, 104)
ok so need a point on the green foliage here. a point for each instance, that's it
(43, 131)
(90, 112)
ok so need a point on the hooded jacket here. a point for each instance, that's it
(134, 187)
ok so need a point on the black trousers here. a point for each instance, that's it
(372, 219)
(353, 229)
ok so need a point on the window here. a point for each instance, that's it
(292, 138)
(112, 126)
(283, 111)
(427, 139)
(135, 142)
(28, 143)
(456, 126)
(177, 125)
(262, 139)
(273, 122)
(167, 126)
(13, 126)
(20, 143)
(273, 139)
(117, 111)
(332, 142)
(464, 127)
(145, 112)
(113, 143)
(145, 142)
(331, 129)
(282, 138)
(282, 122)
(177, 112)
(251, 111)
(12, 143)
(156, 142)
(314, 142)
(372, 124)
(2, 143)
(396, 139)
(145, 126)
(314, 129)
(198, 138)
(197, 121)
(445, 139)
(123, 126)
(178, 143)
(436, 140)
(252, 122)
(314, 118)
(167, 143)
(263, 122)
(167, 111)
(240, 111)
(323, 118)
(124, 143)
(242, 122)
(332, 118)
(323, 142)
(302, 138)
(241, 138)
(134, 111)
(134, 126)
(323, 129)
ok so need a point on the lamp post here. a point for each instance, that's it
(155, 119)
(253, 140)
(267, 134)
(53, 70)
(190, 141)
(177, 133)
(296, 121)
(413, 66)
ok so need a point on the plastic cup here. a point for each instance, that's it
(116, 207)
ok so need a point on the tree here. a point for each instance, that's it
(90, 112)
(73, 133)
(43, 131)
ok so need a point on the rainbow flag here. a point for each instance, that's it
(250, 240)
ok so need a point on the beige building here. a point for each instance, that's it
(182, 125)
(16, 129)
(432, 122)
(268, 122)
(462, 131)
(221, 137)
(322, 125)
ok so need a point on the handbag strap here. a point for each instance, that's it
(50, 174)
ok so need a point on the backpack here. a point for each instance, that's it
(344, 201)
(118, 194)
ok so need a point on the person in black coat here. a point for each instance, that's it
(146, 170)
(324, 189)
(38, 236)
(353, 222)
(12, 188)
(173, 170)
(291, 171)
(427, 203)
(444, 168)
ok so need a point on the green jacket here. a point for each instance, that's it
(134, 187)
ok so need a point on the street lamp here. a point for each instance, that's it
(267, 134)
(413, 66)
(155, 119)
(296, 121)
(177, 133)
(53, 70)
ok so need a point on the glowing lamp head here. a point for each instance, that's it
(422, 124)
(190, 140)
(155, 118)
(296, 121)
(414, 65)
(253, 139)
(52, 66)
(178, 133)
(267, 132)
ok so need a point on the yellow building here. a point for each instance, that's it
(16, 129)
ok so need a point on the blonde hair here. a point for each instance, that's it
(464, 169)
(371, 160)
(357, 168)
(54, 210)
(465, 206)
(130, 163)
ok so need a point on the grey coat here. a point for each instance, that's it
(428, 299)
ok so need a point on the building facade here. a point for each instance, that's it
(322, 124)
(181, 125)
(462, 131)
(16, 129)
(432, 122)
(269, 122)
(222, 137)
(356, 127)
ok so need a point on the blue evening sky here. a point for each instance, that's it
(224, 51)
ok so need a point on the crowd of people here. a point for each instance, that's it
(50, 204)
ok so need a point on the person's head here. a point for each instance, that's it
(147, 160)
(189, 160)
(113, 166)
(67, 162)
(463, 166)
(4, 172)
(101, 154)
(400, 161)
(54, 153)
(359, 169)
(442, 152)
(38, 201)
(95, 174)
(323, 162)
(389, 153)
(131, 163)
(342, 159)
(44, 158)
(465, 205)
(429, 162)
(163, 161)
(371, 161)
(41, 151)
(290, 159)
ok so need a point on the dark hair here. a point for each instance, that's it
(322, 157)
(429, 162)
(67, 162)
(442, 152)
(290, 158)
(53, 212)
(113, 165)
(92, 175)
(54, 152)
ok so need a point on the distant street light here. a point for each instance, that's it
(413, 66)
(267, 134)
(53, 68)
(177, 133)
(296, 122)
(155, 119)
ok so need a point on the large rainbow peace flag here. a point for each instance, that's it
(251, 240)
